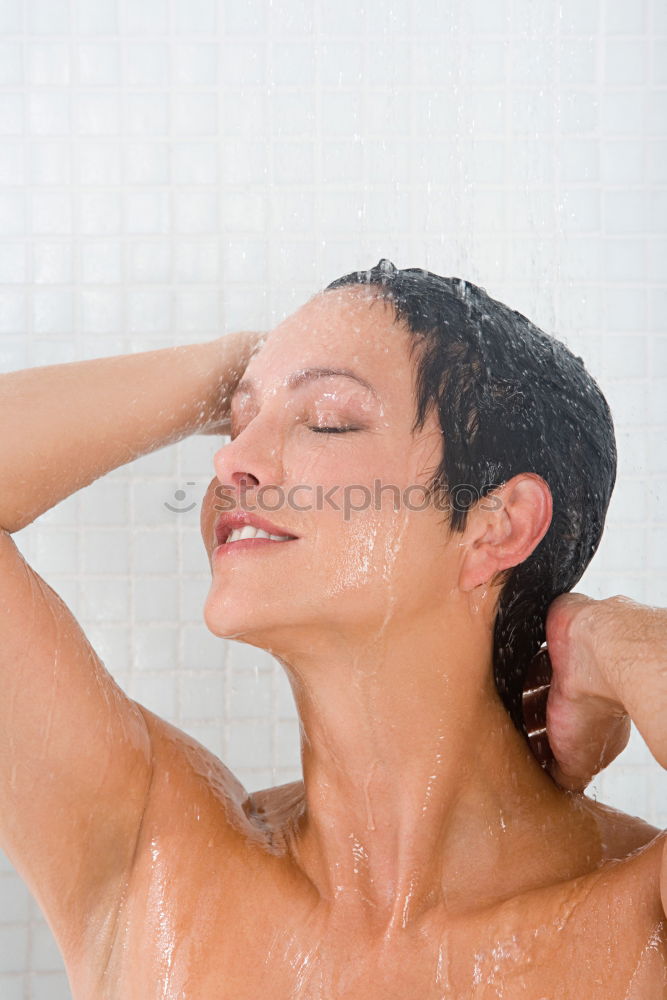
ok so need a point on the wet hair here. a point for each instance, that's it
(510, 399)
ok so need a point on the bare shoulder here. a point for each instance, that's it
(623, 835)
(601, 932)
(631, 892)
(632, 853)
(635, 896)
(184, 767)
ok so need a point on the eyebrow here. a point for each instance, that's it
(303, 376)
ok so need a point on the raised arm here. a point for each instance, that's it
(64, 426)
(609, 660)
(75, 752)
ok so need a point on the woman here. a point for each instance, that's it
(426, 853)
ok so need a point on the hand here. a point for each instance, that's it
(587, 726)
(236, 349)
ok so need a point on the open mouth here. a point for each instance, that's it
(235, 530)
(251, 542)
(249, 532)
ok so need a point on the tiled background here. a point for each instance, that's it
(174, 169)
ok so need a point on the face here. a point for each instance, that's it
(306, 449)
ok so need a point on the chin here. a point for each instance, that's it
(242, 617)
(226, 621)
(265, 627)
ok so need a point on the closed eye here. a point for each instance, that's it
(317, 430)
(333, 430)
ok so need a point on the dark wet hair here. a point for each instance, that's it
(510, 399)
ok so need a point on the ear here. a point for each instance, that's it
(504, 528)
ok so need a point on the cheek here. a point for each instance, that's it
(370, 551)
(416, 557)
(350, 565)
(367, 476)
(334, 463)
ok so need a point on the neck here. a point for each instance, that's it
(418, 790)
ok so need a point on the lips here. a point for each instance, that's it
(227, 523)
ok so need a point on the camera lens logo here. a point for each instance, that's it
(180, 495)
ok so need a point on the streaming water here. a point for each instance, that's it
(445, 467)
(422, 805)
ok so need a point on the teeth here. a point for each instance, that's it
(247, 531)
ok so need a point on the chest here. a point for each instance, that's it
(216, 910)
(199, 926)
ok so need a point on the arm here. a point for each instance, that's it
(64, 426)
(609, 661)
(635, 668)
(75, 752)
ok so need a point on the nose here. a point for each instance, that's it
(250, 461)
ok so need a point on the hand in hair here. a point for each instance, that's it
(236, 350)
(609, 666)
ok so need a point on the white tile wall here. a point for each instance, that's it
(172, 169)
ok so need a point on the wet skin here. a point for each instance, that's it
(426, 854)
(219, 906)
